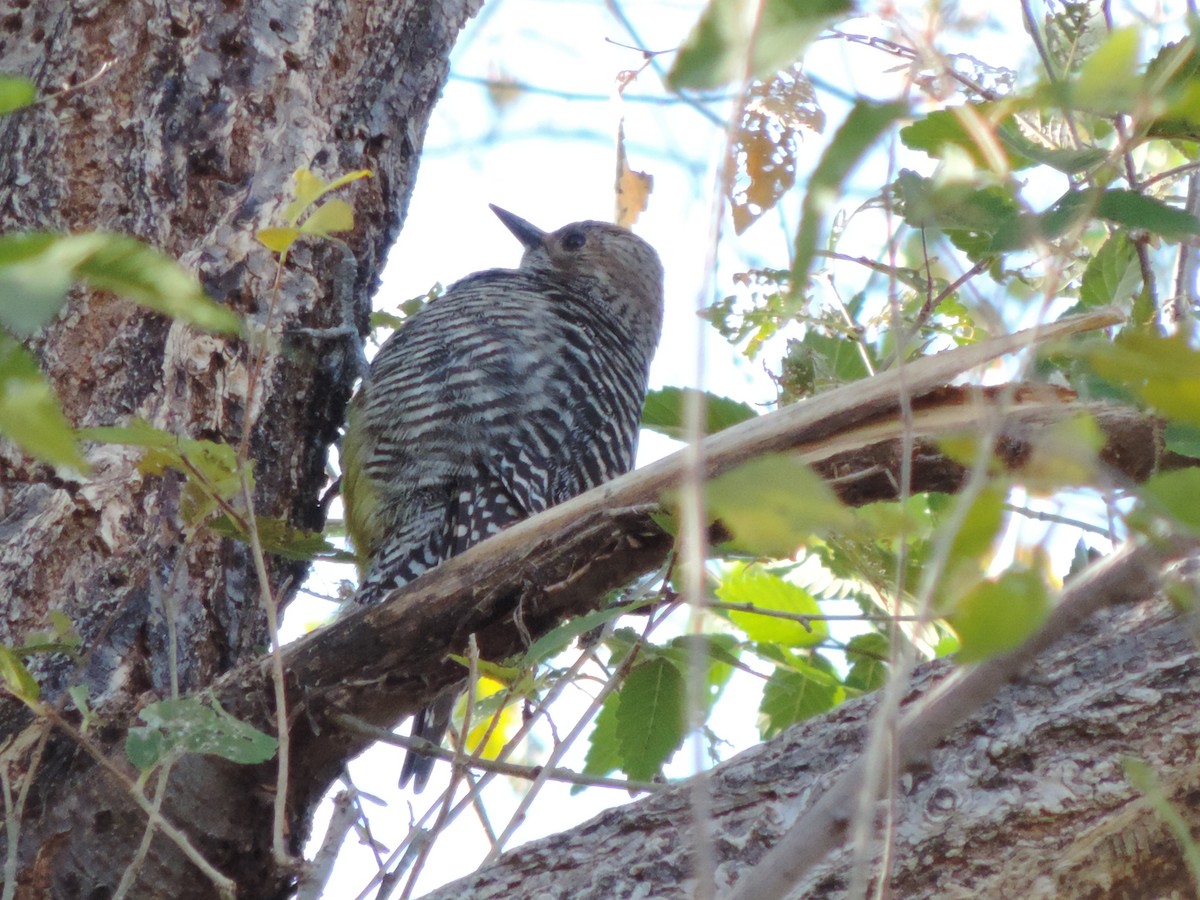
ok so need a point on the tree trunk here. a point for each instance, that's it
(188, 141)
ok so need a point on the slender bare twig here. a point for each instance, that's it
(579, 97)
(345, 814)
(510, 770)
(67, 89)
(279, 823)
(806, 619)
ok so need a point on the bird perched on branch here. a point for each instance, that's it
(515, 390)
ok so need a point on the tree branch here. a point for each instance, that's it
(384, 662)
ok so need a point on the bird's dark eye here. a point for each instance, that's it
(573, 240)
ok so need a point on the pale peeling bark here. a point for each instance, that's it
(187, 141)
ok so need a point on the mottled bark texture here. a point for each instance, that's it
(188, 141)
(1027, 798)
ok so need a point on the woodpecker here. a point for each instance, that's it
(515, 390)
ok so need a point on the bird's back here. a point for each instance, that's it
(510, 393)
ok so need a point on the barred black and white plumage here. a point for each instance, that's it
(513, 391)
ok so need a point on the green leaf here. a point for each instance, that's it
(862, 127)
(1176, 494)
(715, 52)
(29, 412)
(1064, 454)
(603, 755)
(1164, 372)
(795, 693)
(15, 93)
(971, 545)
(212, 470)
(189, 725)
(17, 679)
(664, 412)
(996, 616)
(867, 655)
(945, 128)
(650, 718)
(770, 593)
(1147, 782)
(60, 638)
(79, 696)
(309, 187)
(981, 221)
(1173, 78)
(139, 273)
(824, 361)
(772, 503)
(549, 645)
(281, 538)
(1183, 439)
(1112, 276)
(1134, 210)
(721, 652)
(37, 269)
(1108, 82)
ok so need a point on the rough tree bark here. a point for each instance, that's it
(1027, 798)
(187, 141)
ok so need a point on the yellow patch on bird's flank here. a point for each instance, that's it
(360, 500)
(633, 188)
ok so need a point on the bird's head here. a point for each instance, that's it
(609, 261)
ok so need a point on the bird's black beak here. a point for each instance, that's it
(529, 235)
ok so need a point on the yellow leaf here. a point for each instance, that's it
(308, 186)
(633, 188)
(278, 240)
(347, 178)
(330, 217)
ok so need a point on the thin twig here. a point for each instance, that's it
(456, 772)
(576, 97)
(345, 814)
(511, 770)
(279, 820)
(68, 89)
(401, 857)
(1055, 518)
(806, 619)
